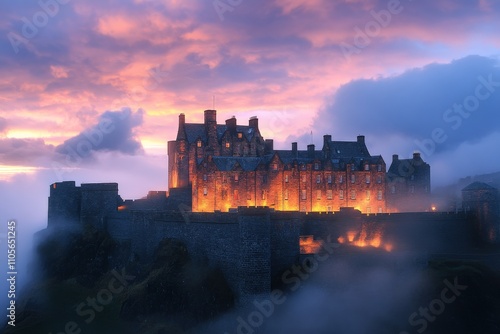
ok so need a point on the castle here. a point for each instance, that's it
(225, 166)
(283, 205)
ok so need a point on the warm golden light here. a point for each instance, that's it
(308, 245)
(364, 238)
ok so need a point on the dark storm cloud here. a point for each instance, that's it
(114, 132)
(435, 108)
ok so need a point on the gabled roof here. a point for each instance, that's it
(394, 168)
(195, 131)
(478, 186)
(348, 149)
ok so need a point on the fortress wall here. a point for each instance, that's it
(64, 204)
(98, 200)
(285, 247)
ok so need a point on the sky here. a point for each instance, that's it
(91, 91)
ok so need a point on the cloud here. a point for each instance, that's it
(3, 124)
(113, 132)
(433, 109)
(26, 151)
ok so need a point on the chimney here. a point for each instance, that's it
(181, 132)
(294, 149)
(327, 139)
(269, 146)
(361, 139)
(395, 157)
(310, 151)
(416, 156)
(210, 116)
(254, 122)
(231, 124)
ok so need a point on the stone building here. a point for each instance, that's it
(229, 165)
(408, 185)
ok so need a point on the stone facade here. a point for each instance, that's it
(409, 185)
(227, 166)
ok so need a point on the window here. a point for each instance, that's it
(303, 166)
(379, 195)
(368, 209)
(205, 177)
(379, 167)
(224, 193)
(329, 178)
(223, 178)
(228, 145)
(379, 209)
(318, 178)
(198, 143)
(240, 135)
(341, 178)
(304, 179)
(353, 167)
(303, 194)
(329, 194)
(286, 195)
(379, 179)
(353, 194)
(318, 194)
(205, 191)
(353, 178)
(341, 194)
(275, 166)
(367, 178)
(367, 167)
(263, 195)
(316, 166)
(236, 196)
(368, 195)
(236, 177)
(286, 178)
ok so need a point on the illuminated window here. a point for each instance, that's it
(275, 166)
(236, 178)
(353, 194)
(379, 179)
(368, 209)
(367, 178)
(367, 167)
(379, 195)
(223, 178)
(353, 178)
(199, 143)
(236, 196)
(205, 177)
(286, 178)
(228, 145)
(329, 178)
(263, 195)
(379, 167)
(318, 178)
(329, 194)
(316, 166)
(341, 194)
(341, 178)
(240, 135)
(368, 195)
(303, 194)
(286, 195)
(205, 191)
(379, 209)
(318, 194)
(304, 178)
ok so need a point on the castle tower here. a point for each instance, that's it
(178, 157)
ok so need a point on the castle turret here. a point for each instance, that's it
(64, 204)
